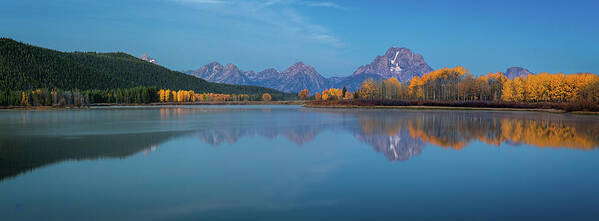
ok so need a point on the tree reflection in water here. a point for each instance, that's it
(398, 134)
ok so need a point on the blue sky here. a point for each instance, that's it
(333, 36)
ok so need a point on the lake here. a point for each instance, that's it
(294, 163)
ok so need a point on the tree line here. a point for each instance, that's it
(76, 97)
(457, 84)
(191, 96)
(135, 95)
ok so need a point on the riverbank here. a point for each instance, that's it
(42, 107)
(154, 104)
(469, 106)
(206, 103)
(434, 108)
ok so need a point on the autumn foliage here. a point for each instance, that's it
(579, 91)
(546, 87)
(457, 130)
(191, 96)
(304, 94)
(318, 96)
(266, 97)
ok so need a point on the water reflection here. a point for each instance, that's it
(23, 154)
(31, 140)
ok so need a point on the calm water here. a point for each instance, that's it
(293, 163)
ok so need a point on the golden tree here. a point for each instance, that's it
(303, 94)
(416, 88)
(266, 97)
(332, 94)
(391, 88)
(348, 95)
(369, 89)
(24, 99)
(162, 95)
(507, 93)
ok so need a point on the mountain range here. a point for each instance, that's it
(24, 67)
(400, 63)
(396, 62)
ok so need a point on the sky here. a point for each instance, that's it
(335, 37)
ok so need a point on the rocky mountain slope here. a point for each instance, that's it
(216, 72)
(400, 63)
(514, 72)
(397, 62)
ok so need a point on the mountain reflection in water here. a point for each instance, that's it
(32, 139)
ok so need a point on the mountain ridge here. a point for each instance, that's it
(400, 63)
(514, 72)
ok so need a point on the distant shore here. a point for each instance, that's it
(350, 105)
(206, 103)
(433, 108)
(153, 104)
(307, 104)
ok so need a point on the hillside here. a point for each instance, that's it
(24, 67)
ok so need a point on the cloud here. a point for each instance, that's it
(323, 4)
(281, 16)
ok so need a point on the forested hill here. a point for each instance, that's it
(25, 67)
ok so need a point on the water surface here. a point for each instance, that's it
(293, 163)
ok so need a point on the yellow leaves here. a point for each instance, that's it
(392, 89)
(368, 89)
(162, 95)
(184, 96)
(348, 95)
(24, 99)
(416, 90)
(318, 96)
(545, 87)
(332, 94)
(445, 73)
(439, 84)
(519, 90)
(176, 96)
(173, 96)
(303, 94)
(508, 91)
(266, 97)
(191, 96)
(458, 84)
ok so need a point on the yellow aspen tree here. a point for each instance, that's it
(266, 97)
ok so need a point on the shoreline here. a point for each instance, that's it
(450, 108)
(205, 103)
(305, 104)
(152, 104)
